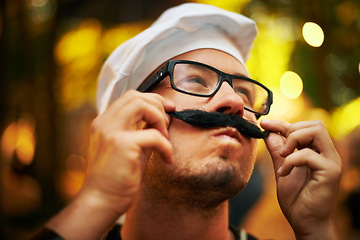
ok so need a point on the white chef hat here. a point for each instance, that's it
(178, 30)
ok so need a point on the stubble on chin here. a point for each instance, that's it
(196, 188)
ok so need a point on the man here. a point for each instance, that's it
(172, 179)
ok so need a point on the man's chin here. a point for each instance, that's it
(211, 190)
(205, 190)
(206, 185)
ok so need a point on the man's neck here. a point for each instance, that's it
(151, 220)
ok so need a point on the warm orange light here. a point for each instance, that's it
(73, 179)
(19, 138)
(25, 146)
(9, 139)
(71, 184)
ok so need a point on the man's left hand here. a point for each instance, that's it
(308, 171)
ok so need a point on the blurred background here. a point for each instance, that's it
(307, 52)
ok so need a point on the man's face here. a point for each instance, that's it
(216, 161)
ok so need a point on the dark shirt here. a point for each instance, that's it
(114, 233)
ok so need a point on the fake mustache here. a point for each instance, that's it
(202, 119)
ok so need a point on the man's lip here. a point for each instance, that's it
(229, 131)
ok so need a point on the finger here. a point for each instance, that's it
(285, 128)
(151, 138)
(134, 107)
(304, 157)
(275, 126)
(317, 137)
(135, 98)
(311, 135)
(274, 143)
(129, 117)
(166, 104)
(153, 116)
(163, 104)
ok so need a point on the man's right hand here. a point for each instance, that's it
(119, 150)
(118, 154)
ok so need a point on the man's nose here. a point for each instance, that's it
(226, 101)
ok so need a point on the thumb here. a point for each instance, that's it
(274, 143)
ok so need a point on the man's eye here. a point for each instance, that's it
(245, 95)
(193, 81)
(198, 80)
(242, 91)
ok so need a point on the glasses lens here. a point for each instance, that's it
(254, 96)
(203, 81)
(193, 78)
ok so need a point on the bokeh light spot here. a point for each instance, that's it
(19, 138)
(231, 5)
(313, 34)
(73, 177)
(345, 119)
(9, 139)
(291, 85)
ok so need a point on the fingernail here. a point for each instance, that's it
(279, 171)
(265, 120)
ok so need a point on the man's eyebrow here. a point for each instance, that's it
(240, 74)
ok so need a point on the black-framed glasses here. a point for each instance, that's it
(201, 80)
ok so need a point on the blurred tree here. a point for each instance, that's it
(27, 73)
(330, 72)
